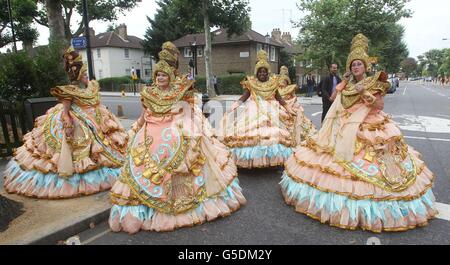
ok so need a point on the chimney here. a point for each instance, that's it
(287, 38)
(91, 33)
(122, 31)
(276, 34)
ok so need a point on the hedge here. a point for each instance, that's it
(114, 84)
(227, 84)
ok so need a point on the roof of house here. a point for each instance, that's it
(112, 39)
(220, 36)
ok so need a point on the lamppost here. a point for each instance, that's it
(194, 57)
(12, 25)
(88, 40)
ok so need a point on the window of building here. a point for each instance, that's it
(267, 49)
(127, 53)
(258, 47)
(100, 74)
(128, 72)
(147, 72)
(99, 53)
(187, 52)
(272, 54)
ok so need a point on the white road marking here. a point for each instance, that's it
(96, 237)
(444, 211)
(404, 91)
(317, 113)
(426, 138)
(423, 123)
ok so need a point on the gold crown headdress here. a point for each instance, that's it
(168, 61)
(170, 47)
(262, 61)
(284, 74)
(73, 64)
(359, 51)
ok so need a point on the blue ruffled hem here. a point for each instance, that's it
(41, 180)
(255, 152)
(143, 212)
(372, 210)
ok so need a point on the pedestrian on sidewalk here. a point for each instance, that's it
(310, 83)
(328, 87)
(215, 82)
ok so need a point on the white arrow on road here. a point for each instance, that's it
(423, 123)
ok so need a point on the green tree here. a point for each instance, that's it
(23, 12)
(287, 61)
(409, 66)
(330, 25)
(445, 67)
(166, 25)
(17, 76)
(23, 76)
(58, 14)
(189, 16)
(433, 60)
(392, 51)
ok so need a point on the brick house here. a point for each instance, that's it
(303, 67)
(235, 54)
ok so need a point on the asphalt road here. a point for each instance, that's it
(423, 113)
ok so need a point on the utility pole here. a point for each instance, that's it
(12, 25)
(88, 39)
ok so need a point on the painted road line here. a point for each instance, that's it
(96, 237)
(404, 91)
(317, 113)
(426, 138)
(444, 211)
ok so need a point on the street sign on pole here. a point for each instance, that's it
(79, 42)
(88, 41)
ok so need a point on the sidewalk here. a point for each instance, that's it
(315, 100)
(51, 221)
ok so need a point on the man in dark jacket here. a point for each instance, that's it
(328, 86)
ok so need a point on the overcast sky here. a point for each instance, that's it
(426, 30)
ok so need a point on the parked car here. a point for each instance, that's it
(395, 83)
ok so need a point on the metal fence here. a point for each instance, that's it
(12, 119)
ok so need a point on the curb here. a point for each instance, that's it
(58, 237)
(32, 227)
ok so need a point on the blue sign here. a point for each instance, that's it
(79, 42)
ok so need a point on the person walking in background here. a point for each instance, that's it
(215, 82)
(328, 87)
(310, 83)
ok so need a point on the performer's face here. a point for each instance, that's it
(85, 79)
(162, 79)
(358, 68)
(262, 74)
